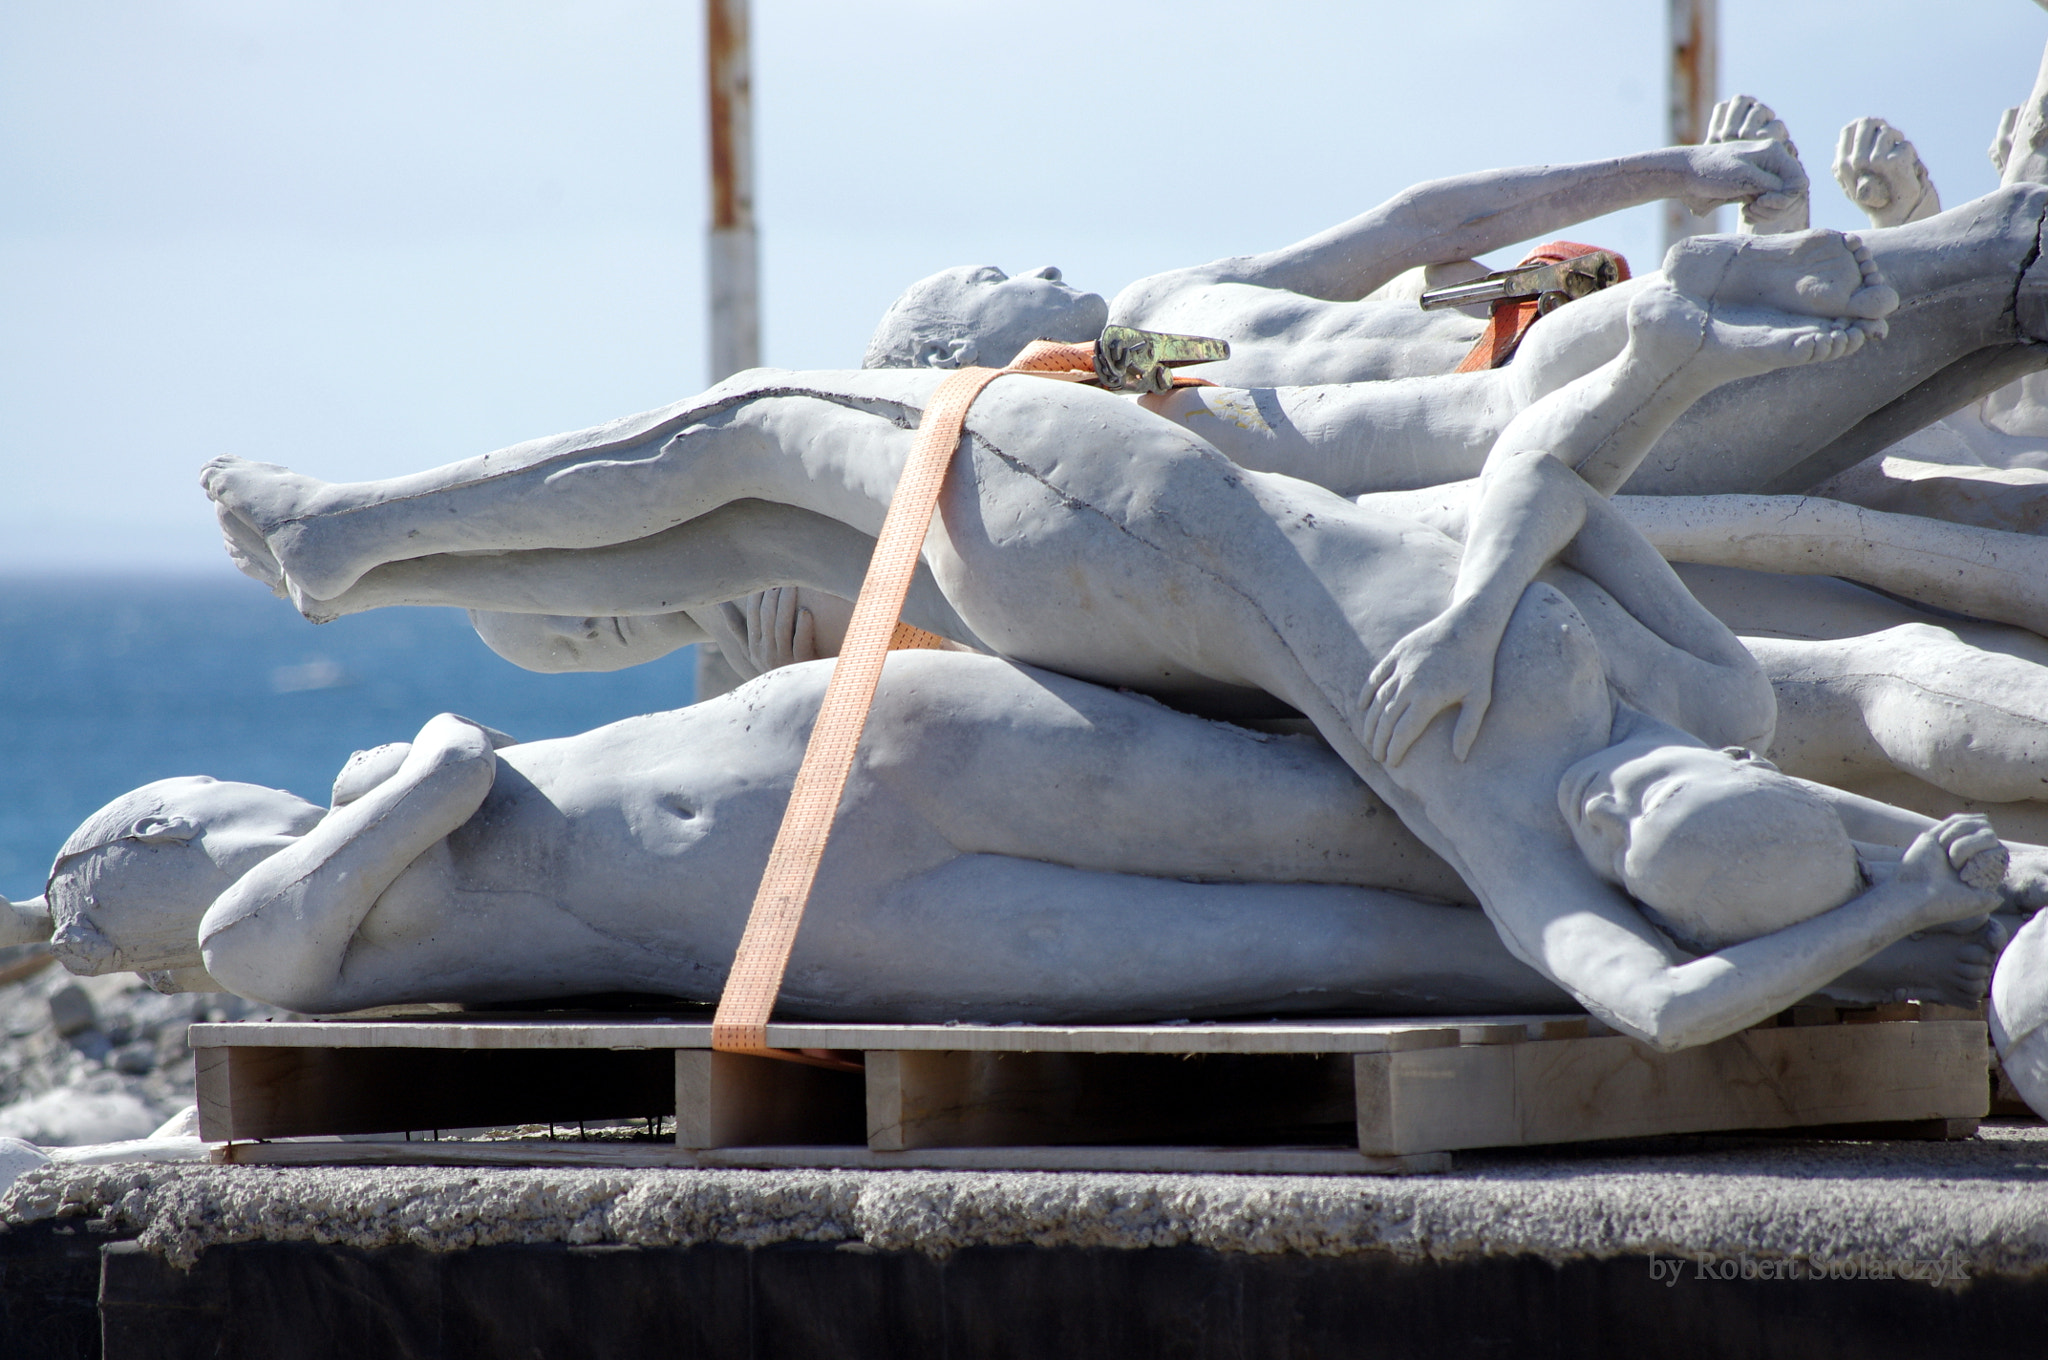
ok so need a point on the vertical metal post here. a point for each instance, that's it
(734, 274)
(1694, 78)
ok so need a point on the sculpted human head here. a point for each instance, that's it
(1716, 846)
(968, 315)
(131, 885)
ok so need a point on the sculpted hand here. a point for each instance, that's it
(1883, 175)
(1748, 126)
(2000, 149)
(779, 633)
(1446, 661)
(1953, 871)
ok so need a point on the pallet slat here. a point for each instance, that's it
(1375, 1092)
(1585, 1089)
(529, 1152)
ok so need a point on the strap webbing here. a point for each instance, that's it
(1512, 317)
(741, 1023)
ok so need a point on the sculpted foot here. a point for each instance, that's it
(247, 550)
(2026, 878)
(275, 535)
(1729, 307)
(1954, 970)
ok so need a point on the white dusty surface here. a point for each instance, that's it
(1979, 1206)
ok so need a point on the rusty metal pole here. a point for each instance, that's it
(733, 269)
(734, 274)
(1693, 79)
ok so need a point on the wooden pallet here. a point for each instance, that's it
(1323, 1096)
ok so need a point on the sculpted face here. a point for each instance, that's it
(131, 885)
(560, 642)
(1717, 846)
(981, 315)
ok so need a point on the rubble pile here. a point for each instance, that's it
(94, 1060)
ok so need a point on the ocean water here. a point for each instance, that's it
(107, 683)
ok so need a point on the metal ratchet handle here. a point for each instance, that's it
(1564, 280)
(1130, 360)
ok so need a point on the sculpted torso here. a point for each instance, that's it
(624, 859)
(1279, 338)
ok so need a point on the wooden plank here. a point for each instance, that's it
(213, 1093)
(735, 1100)
(537, 1153)
(471, 1031)
(920, 1099)
(1436, 1100)
(1907, 1131)
(1579, 1090)
(1495, 1032)
(252, 1092)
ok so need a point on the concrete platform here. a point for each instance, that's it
(1752, 1246)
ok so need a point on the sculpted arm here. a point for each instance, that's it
(283, 931)
(1609, 958)
(1468, 215)
(24, 922)
(1532, 510)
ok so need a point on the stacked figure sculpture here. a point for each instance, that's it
(1688, 663)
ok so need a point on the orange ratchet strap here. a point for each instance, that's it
(1512, 317)
(741, 1023)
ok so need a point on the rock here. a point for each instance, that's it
(71, 1118)
(136, 1058)
(72, 1011)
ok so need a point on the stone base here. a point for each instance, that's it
(1759, 1247)
(814, 1301)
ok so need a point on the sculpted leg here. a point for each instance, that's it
(1916, 699)
(613, 484)
(1982, 573)
(2014, 499)
(740, 548)
(997, 939)
(1725, 308)
(1603, 377)
(1955, 336)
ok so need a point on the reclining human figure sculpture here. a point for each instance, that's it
(1317, 311)
(1307, 336)
(1934, 728)
(1015, 845)
(1375, 436)
(1082, 534)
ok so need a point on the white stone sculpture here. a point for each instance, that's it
(1313, 312)
(1376, 436)
(2018, 1012)
(1987, 462)
(1882, 174)
(1747, 118)
(1909, 731)
(1015, 846)
(1081, 533)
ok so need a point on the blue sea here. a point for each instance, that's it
(107, 683)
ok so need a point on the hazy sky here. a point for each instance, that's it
(365, 237)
